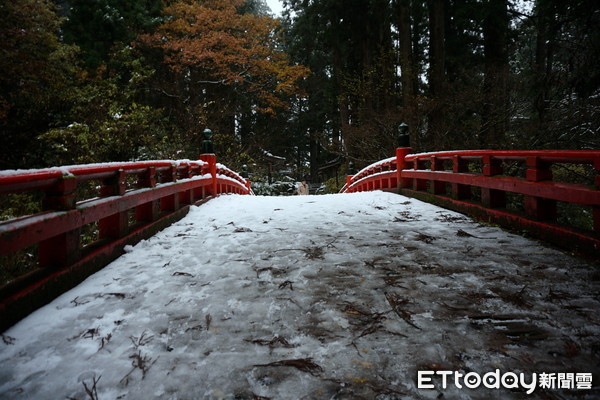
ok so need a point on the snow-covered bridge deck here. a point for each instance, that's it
(341, 296)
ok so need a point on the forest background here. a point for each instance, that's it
(328, 82)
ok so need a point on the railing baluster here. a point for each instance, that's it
(596, 208)
(116, 225)
(419, 184)
(210, 168)
(61, 196)
(537, 207)
(186, 196)
(437, 187)
(65, 248)
(148, 211)
(170, 203)
(459, 191)
(401, 154)
(492, 198)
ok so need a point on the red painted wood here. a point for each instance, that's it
(551, 232)
(163, 193)
(437, 187)
(114, 226)
(61, 250)
(108, 210)
(401, 154)
(492, 198)
(553, 156)
(210, 168)
(540, 192)
(61, 195)
(567, 192)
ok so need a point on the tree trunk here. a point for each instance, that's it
(314, 156)
(342, 100)
(495, 85)
(542, 68)
(407, 65)
(436, 128)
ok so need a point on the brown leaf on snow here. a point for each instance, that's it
(396, 301)
(8, 339)
(425, 238)
(285, 284)
(303, 364)
(178, 273)
(277, 341)
(462, 233)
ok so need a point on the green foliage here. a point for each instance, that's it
(37, 77)
(258, 7)
(96, 26)
(108, 123)
(18, 204)
(281, 186)
(15, 205)
(17, 264)
(229, 148)
(569, 214)
(116, 80)
(332, 187)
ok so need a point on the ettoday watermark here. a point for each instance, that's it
(507, 380)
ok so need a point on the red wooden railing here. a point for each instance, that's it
(448, 178)
(134, 201)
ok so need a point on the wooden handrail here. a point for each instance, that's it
(447, 178)
(162, 193)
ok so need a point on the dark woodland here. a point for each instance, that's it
(327, 83)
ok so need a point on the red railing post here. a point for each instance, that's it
(419, 184)
(492, 198)
(61, 250)
(402, 152)
(211, 159)
(596, 208)
(537, 207)
(460, 165)
(115, 185)
(437, 187)
(61, 196)
(187, 196)
(377, 183)
(349, 181)
(169, 203)
(116, 225)
(65, 248)
(213, 172)
(151, 210)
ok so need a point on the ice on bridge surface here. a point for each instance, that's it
(333, 297)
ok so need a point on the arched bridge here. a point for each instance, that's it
(363, 294)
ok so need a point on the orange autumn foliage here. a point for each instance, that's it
(212, 40)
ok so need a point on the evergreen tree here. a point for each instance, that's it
(36, 81)
(97, 25)
(462, 73)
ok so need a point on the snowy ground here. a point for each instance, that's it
(325, 297)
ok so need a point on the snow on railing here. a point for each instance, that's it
(380, 175)
(225, 173)
(476, 182)
(124, 203)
